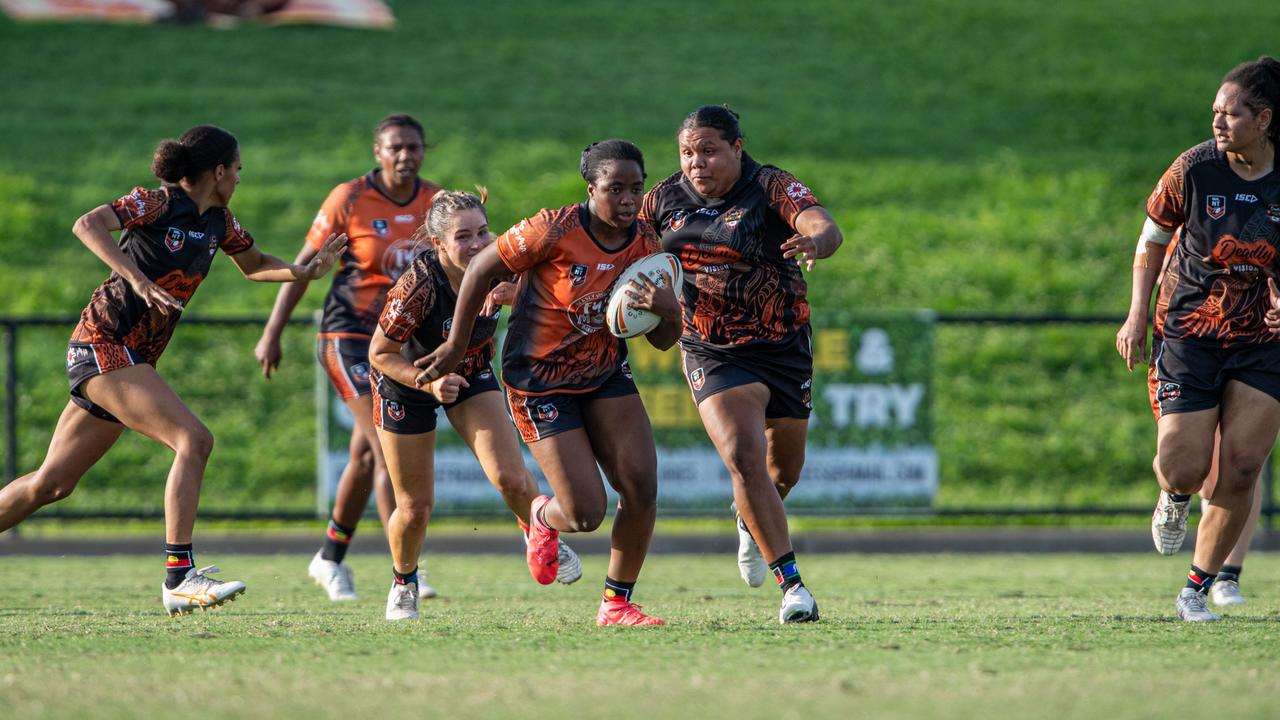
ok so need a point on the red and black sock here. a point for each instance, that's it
(786, 572)
(618, 589)
(337, 540)
(178, 561)
(405, 578)
(1199, 580)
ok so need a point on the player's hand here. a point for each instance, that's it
(325, 259)
(155, 296)
(1131, 341)
(504, 293)
(1272, 316)
(803, 248)
(644, 294)
(446, 389)
(267, 351)
(438, 363)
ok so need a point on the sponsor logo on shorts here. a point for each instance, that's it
(678, 220)
(626, 369)
(697, 379)
(733, 217)
(807, 396)
(1215, 206)
(173, 239)
(547, 412)
(1169, 391)
(360, 371)
(1273, 213)
(797, 190)
(381, 226)
(577, 274)
(395, 410)
(445, 327)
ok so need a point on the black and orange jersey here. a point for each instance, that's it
(1214, 288)
(173, 245)
(419, 313)
(738, 289)
(556, 338)
(379, 247)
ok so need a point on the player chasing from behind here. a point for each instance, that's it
(415, 321)
(569, 388)
(169, 238)
(1218, 365)
(379, 211)
(741, 231)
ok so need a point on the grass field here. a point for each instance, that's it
(998, 636)
(990, 156)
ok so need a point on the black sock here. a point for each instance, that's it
(786, 572)
(178, 559)
(1199, 580)
(336, 541)
(617, 588)
(1230, 572)
(1179, 498)
(405, 578)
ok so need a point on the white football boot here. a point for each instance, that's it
(798, 606)
(751, 564)
(1169, 524)
(1193, 607)
(402, 601)
(570, 570)
(335, 578)
(425, 591)
(1226, 592)
(198, 590)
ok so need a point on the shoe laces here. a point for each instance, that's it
(200, 578)
(1196, 602)
(406, 597)
(1226, 587)
(342, 578)
(1172, 513)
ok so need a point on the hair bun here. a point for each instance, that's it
(171, 161)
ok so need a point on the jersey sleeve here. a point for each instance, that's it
(649, 207)
(407, 303)
(528, 243)
(649, 237)
(238, 239)
(140, 207)
(332, 217)
(786, 195)
(1167, 204)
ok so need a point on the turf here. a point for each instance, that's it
(989, 156)
(1000, 636)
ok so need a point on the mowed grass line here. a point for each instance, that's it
(993, 636)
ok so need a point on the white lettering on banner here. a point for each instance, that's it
(874, 406)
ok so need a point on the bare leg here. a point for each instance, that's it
(79, 441)
(411, 464)
(1185, 450)
(1236, 558)
(613, 426)
(568, 461)
(735, 421)
(357, 480)
(481, 421)
(145, 403)
(785, 438)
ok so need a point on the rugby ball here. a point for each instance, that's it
(625, 321)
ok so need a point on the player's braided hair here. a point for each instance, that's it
(1260, 80)
(719, 117)
(399, 120)
(199, 150)
(444, 208)
(601, 152)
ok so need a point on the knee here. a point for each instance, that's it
(1184, 475)
(415, 513)
(1238, 474)
(515, 483)
(50, 487)
(362, 461)
(746, 463)
(196, 441)
(583, 520)
(640, 496)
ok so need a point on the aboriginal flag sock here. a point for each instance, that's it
(1199, 580)
(178, 559)
(1230, 572)
(405, 578)
(337, 539)
(614, 589)
(1179, 498)
(785, 571)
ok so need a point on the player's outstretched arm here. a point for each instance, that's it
(483, 269)
(261, 267)
(817, 237)
(267, 352)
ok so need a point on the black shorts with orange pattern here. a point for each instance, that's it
(408, 411)
(345, 360)
(86, 360)
(540, 416)
(1187, 375)
(785, 368)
